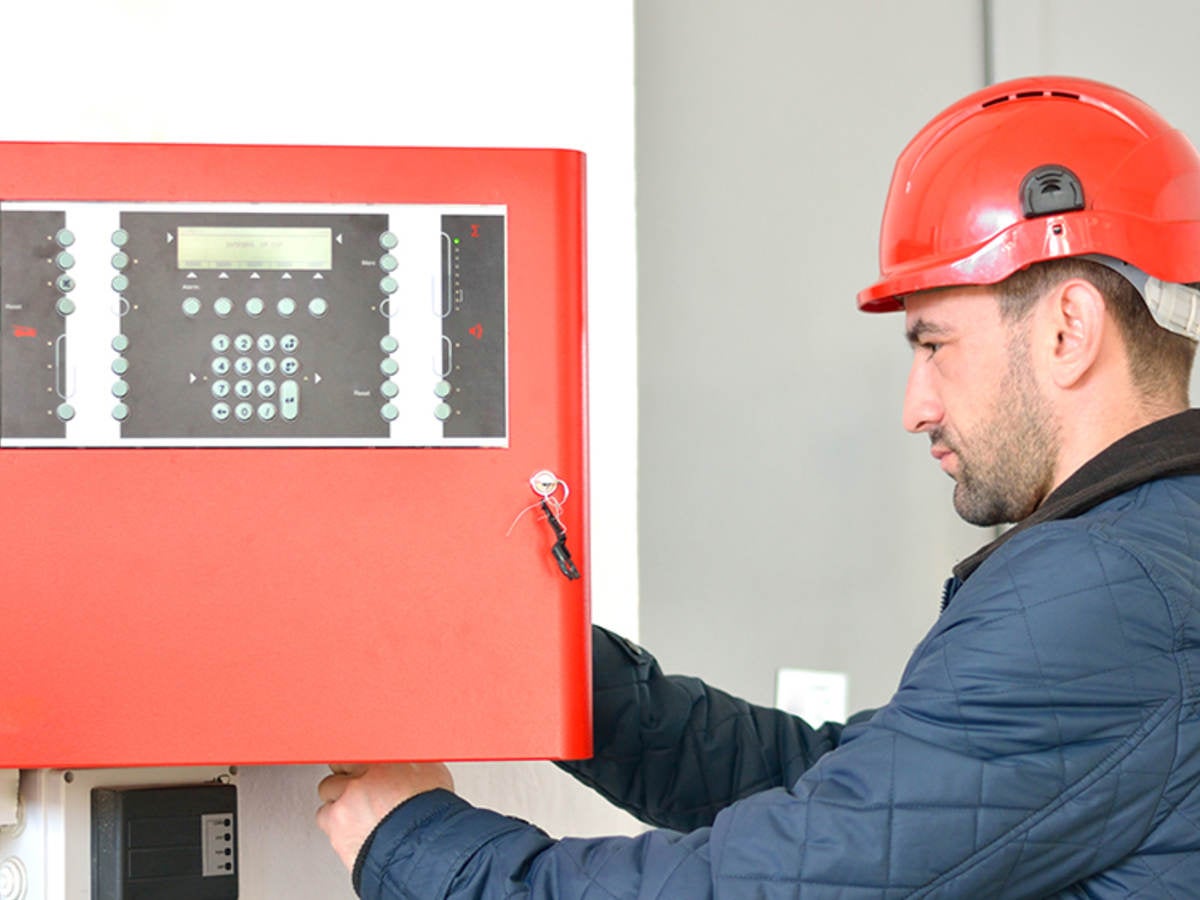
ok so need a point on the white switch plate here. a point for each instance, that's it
(814, 696)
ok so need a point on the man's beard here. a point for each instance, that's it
(1012, 452)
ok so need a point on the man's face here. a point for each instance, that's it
(972, 388)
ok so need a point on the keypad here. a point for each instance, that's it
(252, 377)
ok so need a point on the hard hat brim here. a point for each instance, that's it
(1173, 251)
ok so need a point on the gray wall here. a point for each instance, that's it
(786, 519)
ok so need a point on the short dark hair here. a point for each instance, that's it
(1160, 361)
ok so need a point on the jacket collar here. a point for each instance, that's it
(1170, 446)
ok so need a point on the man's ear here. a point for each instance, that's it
(1073, 329)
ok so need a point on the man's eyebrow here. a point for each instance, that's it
(922, 328)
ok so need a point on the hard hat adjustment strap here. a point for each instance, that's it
(1175, 307)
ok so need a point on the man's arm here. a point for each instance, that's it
(674, 752)
(1026, 749)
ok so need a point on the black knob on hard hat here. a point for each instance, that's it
(1050, 189)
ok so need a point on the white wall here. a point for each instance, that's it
(532, 73)
(391, 72)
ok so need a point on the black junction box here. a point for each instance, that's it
(165, 843)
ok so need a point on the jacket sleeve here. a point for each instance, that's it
(674, 752)
(1027, 748)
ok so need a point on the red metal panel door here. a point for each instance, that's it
(171, 605)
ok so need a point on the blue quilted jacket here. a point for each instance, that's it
(1044, 741)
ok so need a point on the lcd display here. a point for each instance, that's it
(204, 247)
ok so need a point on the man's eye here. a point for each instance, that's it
(930, 347)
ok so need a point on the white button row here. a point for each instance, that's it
(223, 307)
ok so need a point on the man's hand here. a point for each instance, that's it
(355, 798)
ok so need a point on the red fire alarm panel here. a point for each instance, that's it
(292, 452)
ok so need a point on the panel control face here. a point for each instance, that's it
(252, 325)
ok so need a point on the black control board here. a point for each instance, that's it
(206, 324)
(34, 295)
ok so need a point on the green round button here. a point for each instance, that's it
(65, 237)
(64, 260)
(254, 306)
(389, 389)
(65, 412)
(120, 365)
(388, 285)
(120, 343)
(389, 367)
(318, 306)
(65, 306)
(120, 260)
(120, 237)
(120, 388)
(442, 411)
(120, 412)
(389, 344)
(388, 263)
(388, 241)
(389, 412)
(442, 389)
(120, 283)
(191, 306)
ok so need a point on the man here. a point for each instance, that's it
(1045, 736)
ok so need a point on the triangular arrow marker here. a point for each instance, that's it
(191, 377)
(223, 275)
(318, 277)
(316, 378)
(170, 237)
(254, 275)
(286, 276)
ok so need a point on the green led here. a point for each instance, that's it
(458, 240)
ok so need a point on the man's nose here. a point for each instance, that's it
(922, 407)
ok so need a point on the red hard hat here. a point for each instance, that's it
(1037, 169)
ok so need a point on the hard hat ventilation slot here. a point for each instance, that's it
(1023, 95)
(1050, 189)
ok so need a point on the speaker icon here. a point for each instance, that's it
(476, 331)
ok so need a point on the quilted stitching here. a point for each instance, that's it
(1043, 741)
